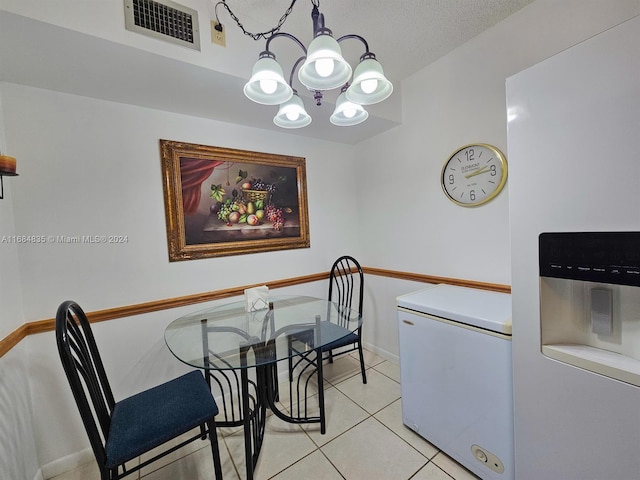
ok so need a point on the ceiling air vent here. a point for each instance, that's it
(165, 20)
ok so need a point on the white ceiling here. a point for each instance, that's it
(405, 35)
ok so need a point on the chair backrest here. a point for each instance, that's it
(346, 283)
(85, 372)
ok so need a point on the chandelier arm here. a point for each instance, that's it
(293, 70)
(316, 75)
(367, 53)
(287, 35)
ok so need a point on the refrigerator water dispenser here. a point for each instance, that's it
(590, 301)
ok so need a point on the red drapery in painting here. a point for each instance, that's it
(194, 171)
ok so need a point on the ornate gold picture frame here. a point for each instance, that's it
(222, 201)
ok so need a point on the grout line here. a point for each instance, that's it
(414, 448)
(331, 463)
(297, 461)
(223, 438)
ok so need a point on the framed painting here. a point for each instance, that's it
(222, 201)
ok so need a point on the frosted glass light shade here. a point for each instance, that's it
(322, 52)
(267, 85)
(369, 84)
(347, 113)
(292, 114)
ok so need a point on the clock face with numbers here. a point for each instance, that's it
(474, 174)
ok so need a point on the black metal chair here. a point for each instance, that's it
(122, 431)
(346, 289)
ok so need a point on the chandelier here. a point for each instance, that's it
(320, 68)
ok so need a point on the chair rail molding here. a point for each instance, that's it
(47, 325)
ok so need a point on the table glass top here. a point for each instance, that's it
(214, 337)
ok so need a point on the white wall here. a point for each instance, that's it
(105, 19)
(18, 453)
(92, 167)
(11, 315)
(18, 458)
(408, 222)
(405, 220)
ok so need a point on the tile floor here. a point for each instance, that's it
(365, 439)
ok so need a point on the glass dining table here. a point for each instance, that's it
(239, 352)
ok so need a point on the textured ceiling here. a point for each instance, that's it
(405, 35)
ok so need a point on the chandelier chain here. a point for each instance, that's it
(258, 36)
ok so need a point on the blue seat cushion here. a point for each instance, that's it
(150, 418)
(343, 335)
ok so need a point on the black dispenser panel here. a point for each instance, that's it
(604, 257)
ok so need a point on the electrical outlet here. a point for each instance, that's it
(217, 34)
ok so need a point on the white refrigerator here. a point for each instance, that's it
(574, 166)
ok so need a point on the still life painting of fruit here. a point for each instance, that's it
(248, 202)
(222, 201)
(253, 204)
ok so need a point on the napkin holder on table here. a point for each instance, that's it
(256, 298)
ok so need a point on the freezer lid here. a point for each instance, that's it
(480, 308)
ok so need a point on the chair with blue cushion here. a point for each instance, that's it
(346, 290)
(120, 432)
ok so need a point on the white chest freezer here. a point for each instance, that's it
(456, 375)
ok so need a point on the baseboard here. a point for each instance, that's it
(393, 358)
(65, 464)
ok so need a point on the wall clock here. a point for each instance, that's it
(474, 174)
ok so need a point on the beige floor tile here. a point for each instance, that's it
(314, 466)
(391, 417)
(195, 466)
(341, 414)
(283, 445)
(228, 431)
(369, 450)
(431, 472)
(86, 471)
(342, 368)
(377, 393)
(389, 369)
(356, 444)
(453, 468)
(172, 457)
(370, 358)
(184, 454)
